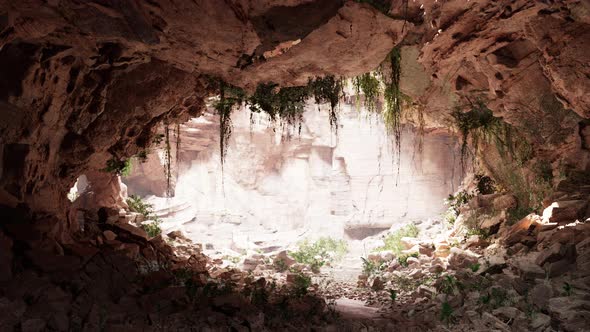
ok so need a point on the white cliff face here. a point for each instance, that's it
(313, 183)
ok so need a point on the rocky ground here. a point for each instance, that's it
(533, 275)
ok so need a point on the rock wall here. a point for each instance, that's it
(84, 82)
(315, 180)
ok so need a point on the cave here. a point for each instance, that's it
(287, 165)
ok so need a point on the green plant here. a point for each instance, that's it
(317, 254)
(475, 267)
(369, 85)
(495, 298)
(118, 167)
(152, 228)
(447, 313)
(229, 97)
(301, 284)
(369, 267)
(568, 289)
(485, 184)
(478, 123)
(136, 204)
(448, 285)
(280, 265)
(327, 89)
(392, 116)
(286, 103)
(393, 241)
(392, 295)
(403, 259)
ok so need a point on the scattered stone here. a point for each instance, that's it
(109, 235)
(459, 258)
(377, 284)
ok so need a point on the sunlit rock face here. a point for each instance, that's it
(314, 181)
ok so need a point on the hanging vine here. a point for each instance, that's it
(328, 89)
(167, 160)
(177, 134)
(229, 97)
(392, 116)
(370, 86)
(284, 104)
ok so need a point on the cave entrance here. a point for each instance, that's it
(279, 187)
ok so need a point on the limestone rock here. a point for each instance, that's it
(565, 211)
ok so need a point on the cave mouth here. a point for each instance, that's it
(458, 199)
(282, 185)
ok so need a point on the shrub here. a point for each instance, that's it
(485, 184)
(118, 167)
(403, 259)
(301, 284)
(474, 267)
(393, 240)
(153, 228)
(136, 204)
(447, 313)
(322, 251)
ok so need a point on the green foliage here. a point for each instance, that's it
(474, 229)
(301, 284)
(317, 254)
(455, 202)
(118, 167)
(287, 103)
(167, 160)
(478, 123)
(229, 97)
(393, 240)
(392, 116)
(327, 89)
(447, 313)
(474, 267)
(280, 265)
(392, 295)
(403, 259)
(485, 184)
(153, 228)
(381, 5)
(447, 285)
(497, 297)
(568, 289)
(369, 267)
(371, 89)
(136, 204)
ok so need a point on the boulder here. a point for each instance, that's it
(133, 230)
(460, 259)
(571, 313)
(540, 294)
(426, 249)
(377, 284)
(565, 211)
(504, 202)
(283, 256)
(109, 235)
(551, 254)
(558, 268)
(540, 321)
(527, 269)
(522, 231)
